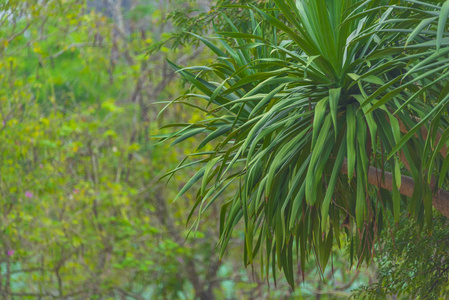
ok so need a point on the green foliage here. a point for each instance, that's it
(83, 215)
(304, 92)
(413, 265)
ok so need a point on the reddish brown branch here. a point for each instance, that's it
(424, 133)
(440, 198)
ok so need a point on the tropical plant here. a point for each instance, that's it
(326, 117)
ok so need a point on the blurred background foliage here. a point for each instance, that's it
(83, 214)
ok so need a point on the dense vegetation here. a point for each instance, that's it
(86, 212)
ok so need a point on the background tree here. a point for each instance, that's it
(82, 214)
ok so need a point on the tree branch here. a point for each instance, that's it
(440, 199)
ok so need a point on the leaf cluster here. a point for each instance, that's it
(302, 102)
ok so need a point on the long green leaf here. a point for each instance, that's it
(334, 98)
(444, 13)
